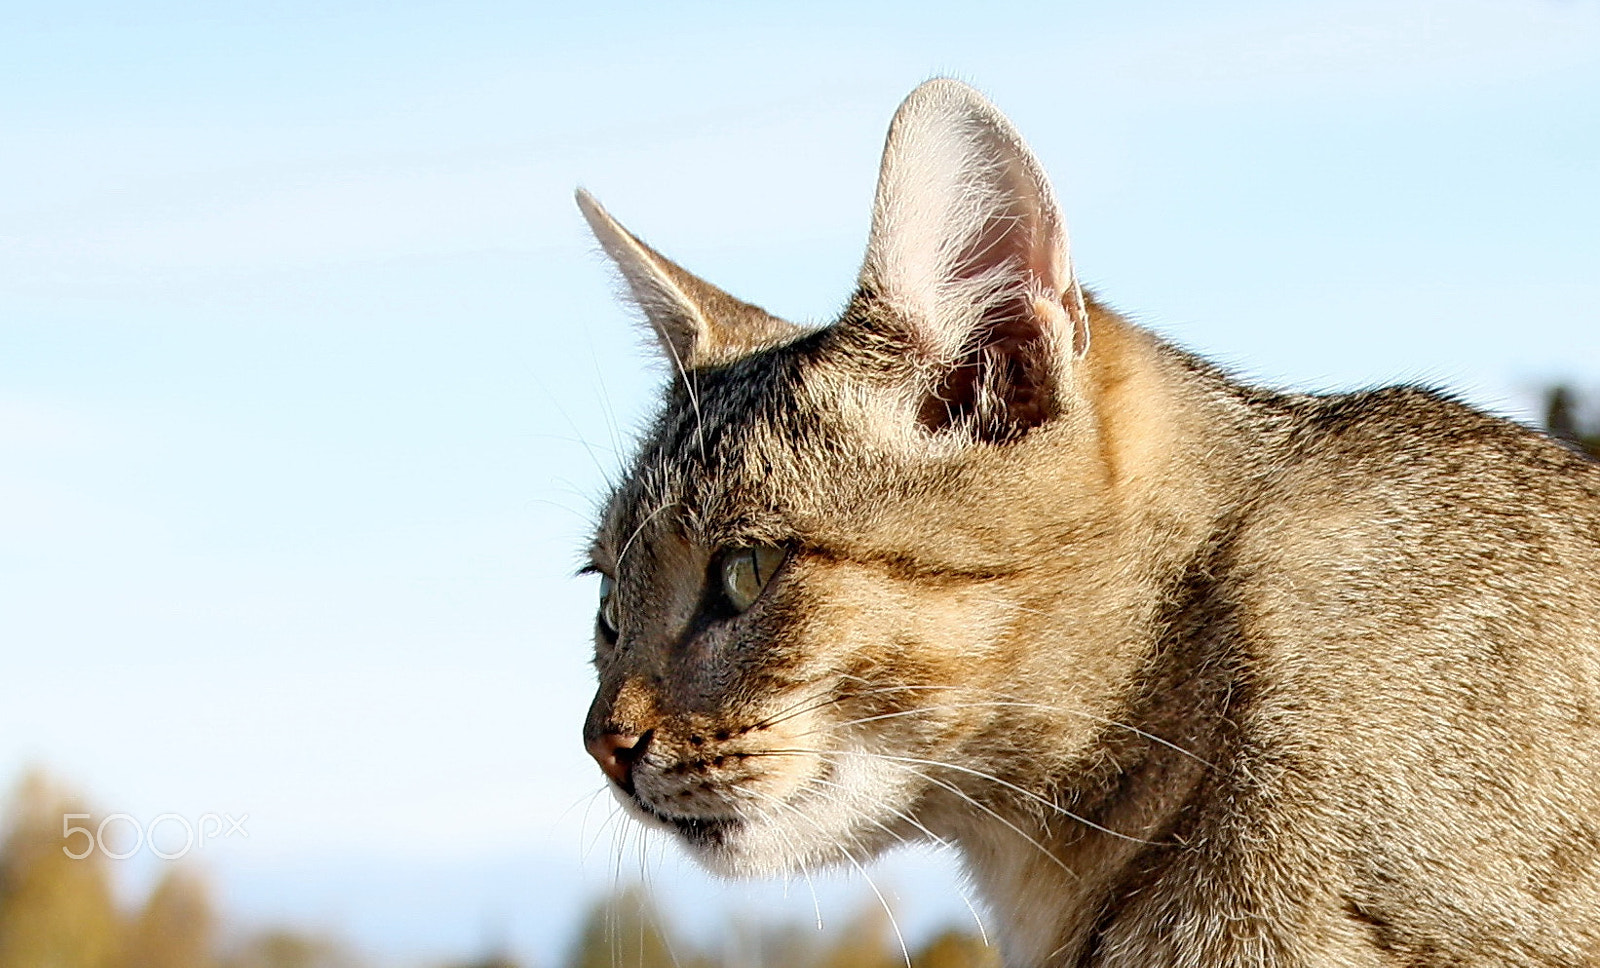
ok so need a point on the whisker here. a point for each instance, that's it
(826, 727)
(578, 438)
(962, 794)
(1058, 808)
(611, 823)
(653, 912)
(823, 697)
(1065, 710)
(816, 903)
(893, 921)
(690, 385)
(584, 515)
(587, 800)
(823, 700)
(638, 529)
(940, 842)
(613, 923)
(983, 932)
(606, 409)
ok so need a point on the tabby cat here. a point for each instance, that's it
(1189, 672)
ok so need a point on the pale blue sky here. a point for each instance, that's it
(309, 374)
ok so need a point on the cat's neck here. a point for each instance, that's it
(1182, 449)
(1183, 446)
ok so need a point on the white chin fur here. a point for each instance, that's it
(844, 816)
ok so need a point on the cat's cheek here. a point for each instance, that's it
(840, 817)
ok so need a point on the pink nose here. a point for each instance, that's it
(616, 753)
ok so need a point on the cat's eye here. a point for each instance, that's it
(608, 606)
(746, 571)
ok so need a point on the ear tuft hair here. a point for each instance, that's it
(698, 324)
(969, 250)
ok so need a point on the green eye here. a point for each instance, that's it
(608, 606)
(746, 571)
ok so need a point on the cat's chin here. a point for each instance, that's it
(760, 848)
(850, 827)
(754, 847)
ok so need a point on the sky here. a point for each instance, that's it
(310, 376)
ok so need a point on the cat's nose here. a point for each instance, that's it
(616, 753)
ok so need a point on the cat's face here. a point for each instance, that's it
(821, 566)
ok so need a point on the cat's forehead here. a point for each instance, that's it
(721, 452)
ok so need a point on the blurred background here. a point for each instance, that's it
(310, 378)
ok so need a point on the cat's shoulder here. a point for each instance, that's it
(1411, 432)
(1412, 470)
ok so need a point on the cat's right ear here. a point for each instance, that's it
(969, 253)
(697, 324)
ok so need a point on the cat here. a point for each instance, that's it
(1187, 671)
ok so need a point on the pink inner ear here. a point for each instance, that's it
(969, 248)
(1001, 386)
(1019, 236)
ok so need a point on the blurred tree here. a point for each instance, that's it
(956, 949)
(1564, 418)
(493, 961)
(625, 930)
(868, 941)
(288, 949)
(55, 912)
(176, 928)
(752, 943)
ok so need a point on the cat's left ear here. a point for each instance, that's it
(697, 324)
(969, 252)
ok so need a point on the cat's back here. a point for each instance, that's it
(1417, 585)
(1451, 496)
(1404, 516)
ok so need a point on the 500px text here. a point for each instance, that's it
(208, 826)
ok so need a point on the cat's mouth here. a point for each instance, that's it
(698, 831)
(804, 816)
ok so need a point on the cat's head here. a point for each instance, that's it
(823, 567)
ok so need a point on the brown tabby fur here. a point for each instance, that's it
(1191, 673)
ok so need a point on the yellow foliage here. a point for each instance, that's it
(956, 949)
(628, 930)
(58, 912)
(55, 912)
(176, 927)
